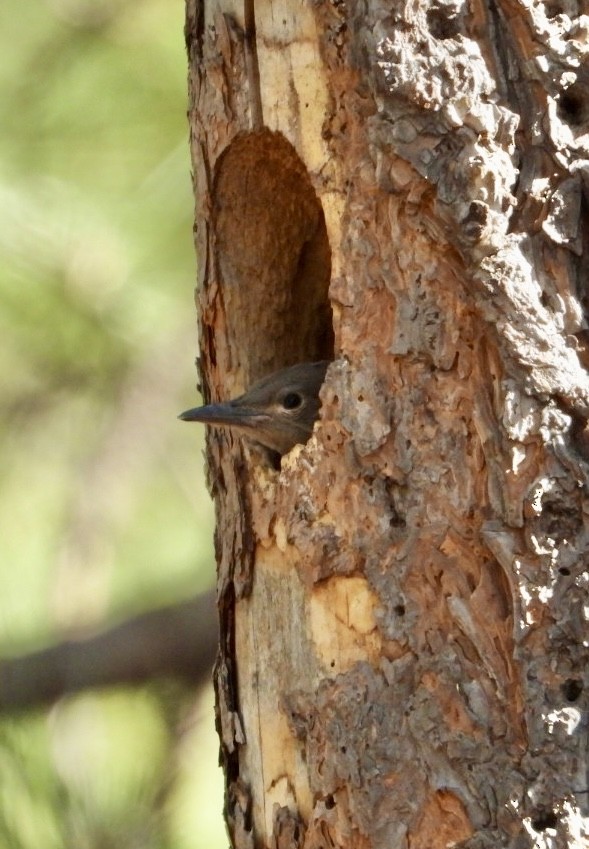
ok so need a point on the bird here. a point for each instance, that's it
(278, 411)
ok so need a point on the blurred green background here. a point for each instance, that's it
(103, 508)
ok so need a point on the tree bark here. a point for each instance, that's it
(403, 604)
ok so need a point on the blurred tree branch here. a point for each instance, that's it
(179, 641)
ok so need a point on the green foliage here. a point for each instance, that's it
(101, 505)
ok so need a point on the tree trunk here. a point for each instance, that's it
(403, 604)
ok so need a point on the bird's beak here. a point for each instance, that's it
(227, 415)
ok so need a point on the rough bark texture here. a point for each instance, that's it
(404, 603)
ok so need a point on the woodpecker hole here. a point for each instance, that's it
(553, 10)
(443, 22)
(272, 257)
(573, 106)
(545, 820)
(557, 519)
(572, 689)
(396, 521)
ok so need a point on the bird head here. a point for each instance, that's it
(278, 411)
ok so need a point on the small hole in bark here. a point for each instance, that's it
(476, 220)
(572, 689)
(564, 570)
(332, 664)
(553, 9)
(360, 398)
(442, 24)
(558, 520)
(330, 802)
(544, 821)
(343, 750)
(572, 106)
(399, 609)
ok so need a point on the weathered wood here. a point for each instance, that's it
(403, 604)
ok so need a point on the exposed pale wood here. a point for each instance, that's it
(404, 635)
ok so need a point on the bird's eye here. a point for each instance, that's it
(291, 401)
